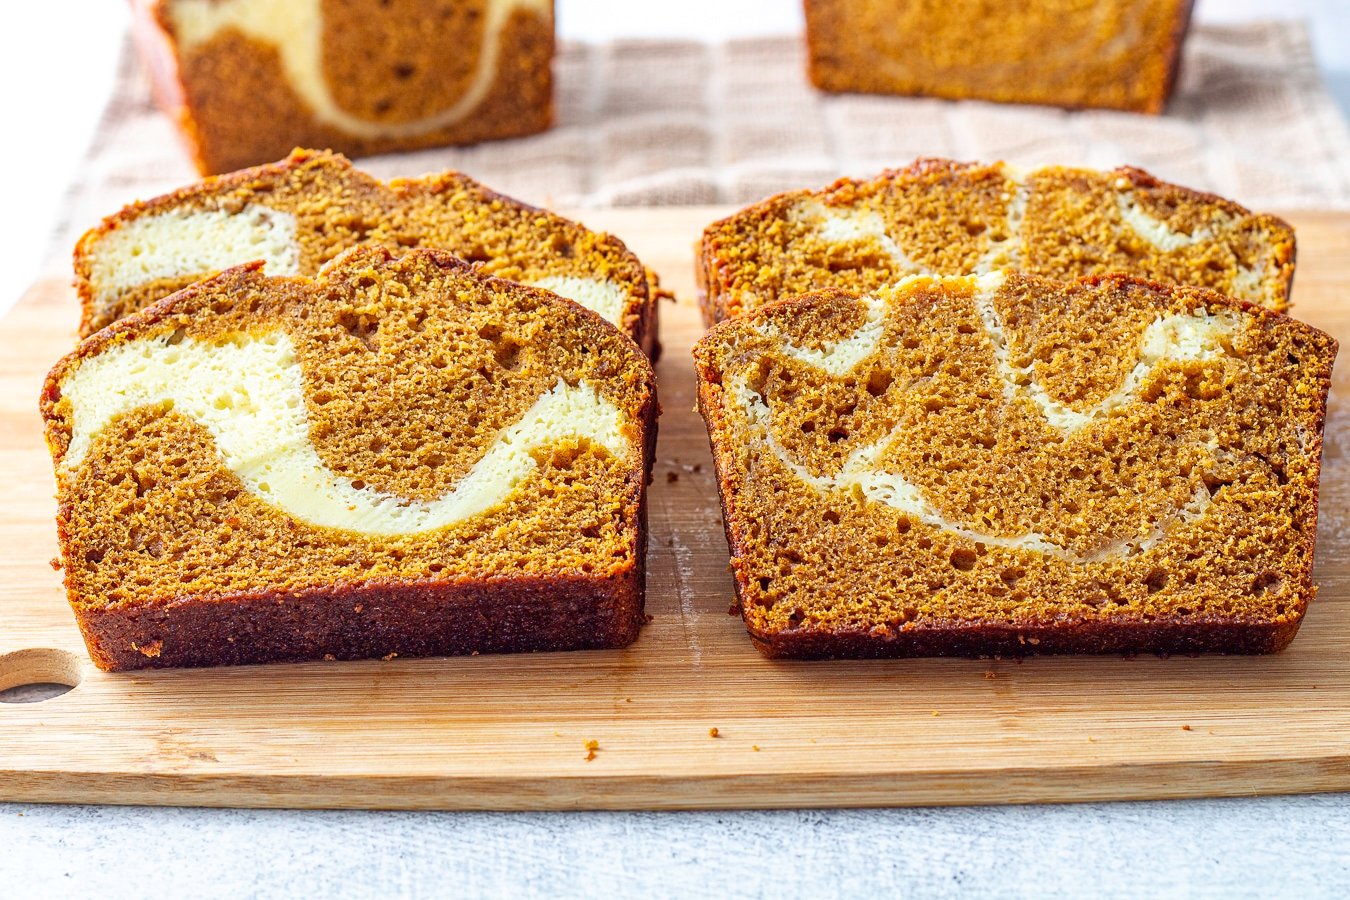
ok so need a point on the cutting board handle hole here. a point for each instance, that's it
(31, 676)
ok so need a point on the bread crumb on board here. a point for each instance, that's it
(151, 650)
(713, 732)
(591, 747)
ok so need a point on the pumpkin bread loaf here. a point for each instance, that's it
(1003, 464)
(1117, 54)
(247, 80)
(948, 218)
(303, 211)
(402, 456)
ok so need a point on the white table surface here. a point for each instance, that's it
(57, 65)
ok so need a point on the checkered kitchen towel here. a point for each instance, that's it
(682, 122)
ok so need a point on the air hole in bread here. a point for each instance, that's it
(964, 559)
(1266, 582)
(362, 327)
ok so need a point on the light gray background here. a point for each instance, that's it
(58, 65)
(1292, 846)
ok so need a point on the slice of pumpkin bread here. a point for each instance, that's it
(1004, 464)
(402, 456)
(300, 213)
(1113, 54)
(246, 80)
(939, 217)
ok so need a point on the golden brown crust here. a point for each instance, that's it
(1127, 59)
(234, 108)
(165, 548)
(945, 216)
(338, 206)
(1066, 616)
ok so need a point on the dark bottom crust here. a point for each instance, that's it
(988, 640)
(508, 615)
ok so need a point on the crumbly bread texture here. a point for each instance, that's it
(1004, 464)
(949, 218)
(402, 456)
(300, 213)
(246, 80)
(1117, 54)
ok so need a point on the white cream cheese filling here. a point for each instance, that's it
(1155, 230)
(844, 225)
(1246, 283)
(1007, 252)
(861, 471)
(295, 29)
(183, 242)
(604, 297)
(842, 356)
(249, 394)
(1199, 336)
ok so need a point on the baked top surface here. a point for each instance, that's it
(300, 213)
(1006, 450)
(395, 419)
(943, 217)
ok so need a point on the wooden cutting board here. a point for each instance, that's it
(511, 732)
